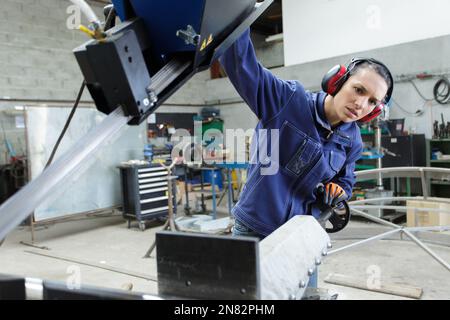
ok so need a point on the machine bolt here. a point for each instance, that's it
(146, 102)
(189, 35)
(310, 272)
(243, 291)
(152, 97)
(188, 283)
(302, 284)
(329, 246)
(292, 297)
(318, 261)
(324, 252)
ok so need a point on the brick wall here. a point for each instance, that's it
(36, 60)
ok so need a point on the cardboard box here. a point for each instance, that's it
(427, 218)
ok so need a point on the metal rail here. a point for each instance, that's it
(424, 173)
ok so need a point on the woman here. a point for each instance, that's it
(319, 140)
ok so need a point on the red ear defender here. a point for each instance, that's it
(375, 113)
(333, 79)
(336, 77)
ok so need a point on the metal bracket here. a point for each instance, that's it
(189, 35)
(152, 98)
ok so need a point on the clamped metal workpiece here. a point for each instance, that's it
(205, 266)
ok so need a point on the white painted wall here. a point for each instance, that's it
(429, 55)
(320, 29)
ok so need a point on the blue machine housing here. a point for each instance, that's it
(120, 70)
(211, 19)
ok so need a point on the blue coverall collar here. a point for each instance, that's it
(322, 119)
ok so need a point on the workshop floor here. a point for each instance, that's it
(108, 242)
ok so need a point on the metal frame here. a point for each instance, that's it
(423, 173)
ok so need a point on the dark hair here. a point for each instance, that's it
(378, 68)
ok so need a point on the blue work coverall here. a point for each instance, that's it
(310, 151)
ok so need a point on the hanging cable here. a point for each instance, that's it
(418, 91)
(109, 22)
(418, 113)
(66, 125)
(87, 11)
(441, 91)
(94, 29)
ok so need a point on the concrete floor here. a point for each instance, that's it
(108, 242)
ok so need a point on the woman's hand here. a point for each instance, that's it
(331, 194)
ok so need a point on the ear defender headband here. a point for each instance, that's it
(334, 79)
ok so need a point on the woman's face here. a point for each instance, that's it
(359, 95)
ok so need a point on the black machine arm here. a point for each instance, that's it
(120, 70)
